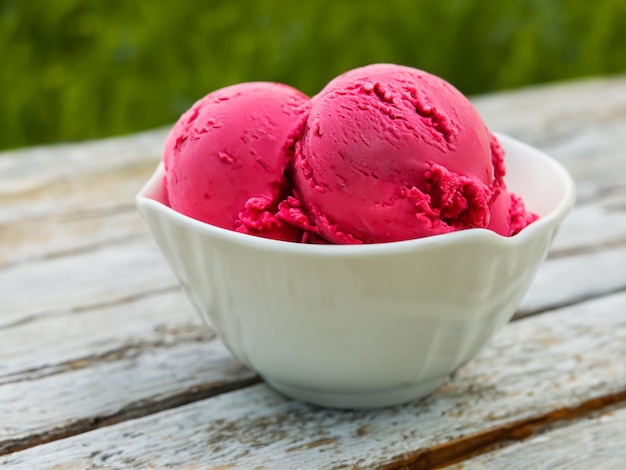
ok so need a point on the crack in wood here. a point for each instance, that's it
(89, 307)
(61, 253)
(67, 218)
(132, 411)
(87, 248)
(458, 450)
(70, 216)
(179, 336)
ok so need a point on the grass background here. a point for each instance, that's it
(82, 69)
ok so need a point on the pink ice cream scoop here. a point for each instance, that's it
(383, 153)
(392, 153)
(225, 159)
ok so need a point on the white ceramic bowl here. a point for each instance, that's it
(369, 325)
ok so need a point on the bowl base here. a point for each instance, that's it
(359, 400)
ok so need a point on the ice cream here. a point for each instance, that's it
(508, 213)
(383, 153)
(393, 153)
(225, 159)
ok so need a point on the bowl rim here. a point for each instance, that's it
(553, 218)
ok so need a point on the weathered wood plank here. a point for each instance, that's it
(75, 196)
(29, 241)
(79, 192)
(35, 167)
(70, 215)
(568, 119)
(133, 383)
(106, 275)
(68, 197)
(592, 443)
(593, 226)
(57, 343)
(569, 279)
(539, 370)
(598, 174)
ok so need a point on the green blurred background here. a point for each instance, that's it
(81, 69)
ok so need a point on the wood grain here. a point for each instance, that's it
(34, 240)
(28, 174)
(590, 227)
(569, 120)
(570, 279)
(538, 370)
(66, 340)
(72, 197)
(596, 442)
(102, 276)
(122, 385)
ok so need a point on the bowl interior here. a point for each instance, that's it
(541, 182)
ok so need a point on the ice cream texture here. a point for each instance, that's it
(382, 153)
(226, 158)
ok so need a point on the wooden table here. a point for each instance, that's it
(103, 363)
